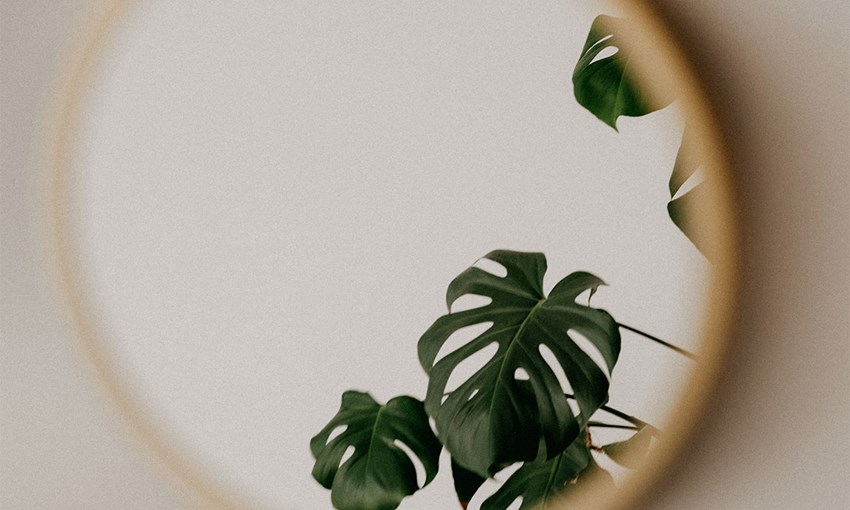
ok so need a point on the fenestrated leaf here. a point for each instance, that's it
(379, 474)
(538, 483)
(631, 452)
(606, 85)
(491, 419)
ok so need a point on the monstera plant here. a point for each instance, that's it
(513, 409)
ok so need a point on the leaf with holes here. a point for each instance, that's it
(538, 483)
(379, 474)
(491, 419)
(604, 83)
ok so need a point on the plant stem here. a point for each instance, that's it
(619, 414)
(611, 425)
(631, 419)
(660, 341)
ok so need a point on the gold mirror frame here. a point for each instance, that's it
(720, 302)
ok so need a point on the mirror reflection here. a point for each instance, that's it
(392, 254)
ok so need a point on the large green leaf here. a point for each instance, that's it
(492, 419)
(538, 483)
(605, 84)
(379, 474)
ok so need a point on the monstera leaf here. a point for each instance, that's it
(540, 482)
(492, 418)
(604, 83)
(379, 474)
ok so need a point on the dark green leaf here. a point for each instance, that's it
(540, 482)
(631, 452)
(466, 483)
(379, 474)
(606, 86)
(492, 418)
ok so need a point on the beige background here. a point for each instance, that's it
(778, 433)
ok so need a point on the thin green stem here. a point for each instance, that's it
(629, 418)
(619, 414)
(658, 340)
(599, 424)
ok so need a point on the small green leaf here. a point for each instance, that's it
(633, 451)
(538, 483)
(379, 474)
(686, 211)
(686, 163)
(492, 418)
(606, 86)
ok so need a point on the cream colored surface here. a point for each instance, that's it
(62, 445)
(200, 181)
(73, 453)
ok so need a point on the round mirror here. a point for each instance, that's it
(261, 208)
